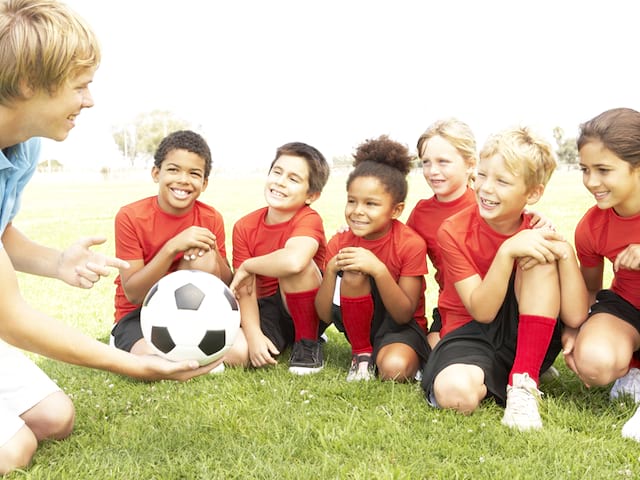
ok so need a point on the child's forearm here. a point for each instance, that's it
(574, 297)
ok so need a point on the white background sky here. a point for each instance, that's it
(254, 74)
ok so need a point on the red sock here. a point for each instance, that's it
(356, 318)
(534, 336)
(303, 312)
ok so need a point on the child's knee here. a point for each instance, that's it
(458, 392)
(598, 363)
(18, 451)
(396, 368)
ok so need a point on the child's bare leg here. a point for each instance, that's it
(603, 349)
(238, 354)
(460, 387)
(398, 362)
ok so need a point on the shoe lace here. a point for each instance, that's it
(305, 350)
(520, 399)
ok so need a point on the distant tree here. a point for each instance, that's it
(142, 136)
(567, 151)
(50, 165)
(342, 161)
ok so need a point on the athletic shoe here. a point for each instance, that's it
(306, 357)
(631, 429)
(549, 374)
(628, 384)
(361, 368)
(217, 370)
(522, 404)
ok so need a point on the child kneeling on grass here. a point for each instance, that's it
(166, 232)
(277, 254)
(606, 347)
(506, 284)
(381, 265)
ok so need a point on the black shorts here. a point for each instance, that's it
(436, 325)
(492, 347)
(385, 330)
(276, 323)
(610, 302)
(127, 331)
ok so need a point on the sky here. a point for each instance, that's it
(251, 75)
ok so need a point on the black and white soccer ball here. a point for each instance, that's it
(190, 315)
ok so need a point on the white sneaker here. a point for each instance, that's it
(361, 368)
(631, 429)
(522, 404)
(217, 370)
(628, 384)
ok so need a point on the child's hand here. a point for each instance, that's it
(343, 229)
(538, 221)
(242, 279)
(538, 244)
(568, 341)
(629, 258)
(193, 240)
(262, 351)
(81, 267)
(562, 251)
(358, 259)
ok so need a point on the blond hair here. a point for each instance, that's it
(524, 153)
(455, 132)
(43, 43)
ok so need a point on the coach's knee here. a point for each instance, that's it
(52, 418)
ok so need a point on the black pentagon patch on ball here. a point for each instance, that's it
(150, 294)
(213, 341)
(188, 297)
(161, 339)
(231, 299)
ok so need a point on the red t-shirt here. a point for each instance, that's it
(603, 234)
(252, 237)
(142, 229)
(427, 216)
(468, 245)
(400, 249)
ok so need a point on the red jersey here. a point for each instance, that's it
(400, 249)
(252, 237)
(142, 229)
(468, 245)
(427, 216)
(603, 234)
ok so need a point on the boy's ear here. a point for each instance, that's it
(155, 172)
(312, 197)
(397, 210)
(535, 194)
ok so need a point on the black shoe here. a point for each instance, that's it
(306, 357)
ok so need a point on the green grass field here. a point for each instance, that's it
(267, 423)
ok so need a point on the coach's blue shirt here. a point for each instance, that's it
(17, 166)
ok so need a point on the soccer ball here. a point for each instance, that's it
(190, 315)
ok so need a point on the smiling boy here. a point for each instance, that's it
(166, 232)
(502, 296)
(277, 252)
